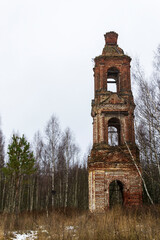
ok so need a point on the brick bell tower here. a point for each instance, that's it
(113, 177)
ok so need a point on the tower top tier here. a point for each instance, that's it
(111, 38)
(111, 47)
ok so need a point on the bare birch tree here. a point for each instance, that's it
(52, 132)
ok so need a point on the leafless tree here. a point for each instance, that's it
(2, 177)
(148, 124)
(52, 132)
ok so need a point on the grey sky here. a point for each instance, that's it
(46, 51)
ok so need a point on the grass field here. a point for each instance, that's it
(117, 223)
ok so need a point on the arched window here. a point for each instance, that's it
(114, 132)
(112, 79)
(115, 193)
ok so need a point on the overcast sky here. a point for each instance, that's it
(46, 52)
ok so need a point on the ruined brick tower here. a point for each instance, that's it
(113, 177)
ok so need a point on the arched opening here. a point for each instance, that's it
(112, 79)
(114, 132)
(115, 193)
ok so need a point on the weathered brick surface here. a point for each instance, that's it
(108, 163)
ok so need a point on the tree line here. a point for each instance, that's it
(46, 175)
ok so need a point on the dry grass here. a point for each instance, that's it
(117, 224)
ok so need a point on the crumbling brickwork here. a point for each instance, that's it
(113, 128)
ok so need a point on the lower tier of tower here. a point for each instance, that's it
(113, 178)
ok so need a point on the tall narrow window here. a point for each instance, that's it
(112, 79)
(114, 132)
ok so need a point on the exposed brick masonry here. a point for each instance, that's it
(107, 163)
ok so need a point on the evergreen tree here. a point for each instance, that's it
(21, 160)
(21, 163)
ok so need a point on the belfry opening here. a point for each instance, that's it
(112, 80)
(113, 132)
(113, 177)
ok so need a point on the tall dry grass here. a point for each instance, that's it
(117, 224)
